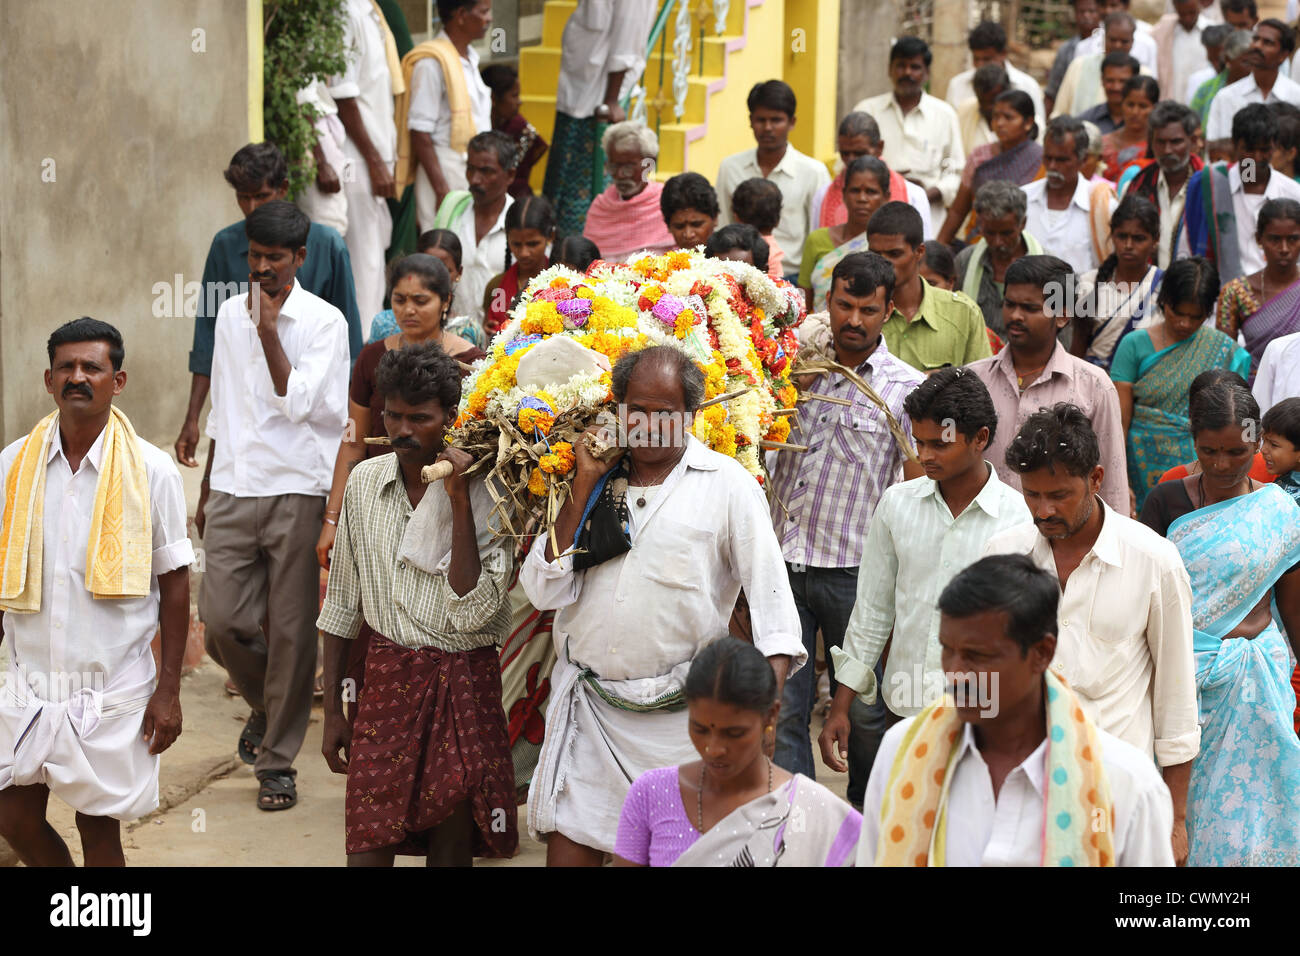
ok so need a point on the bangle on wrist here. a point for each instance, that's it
(331, 521)
(333, 511)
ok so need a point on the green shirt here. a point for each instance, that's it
(948, 329)
(818, 243)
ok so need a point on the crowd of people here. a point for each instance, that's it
(1043, 529)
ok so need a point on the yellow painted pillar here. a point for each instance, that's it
(811, 62)
(253, 17)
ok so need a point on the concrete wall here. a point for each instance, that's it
(866, 29)
(114, 131)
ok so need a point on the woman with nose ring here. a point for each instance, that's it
(733, 806)
(1266, 304)
(1154, 368)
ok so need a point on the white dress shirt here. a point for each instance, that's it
(480, 261)
(430, 112)
(1279, 372)
(596, 43)
(1007, 829)
(653, 608)
(1226, 103)
(797, 176)
(913, 549)
(367, 79)
(925, 144)
(1064, 233)
(962, 88)
(1245, 210)
(73, 634)
(1125, 641)
(1246, 207)
(269, 444)
(1214, 13)
(916, 198)
(1144, 48)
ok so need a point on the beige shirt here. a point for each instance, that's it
(1171, 214)
(925, 144)
(799, 177)
(1125, 641)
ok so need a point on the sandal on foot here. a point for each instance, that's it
(251, 737)
(275, 784)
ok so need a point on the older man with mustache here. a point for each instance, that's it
(95, 560)
(1067, 213)
(626, 218)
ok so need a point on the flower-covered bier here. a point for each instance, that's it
(736, 323)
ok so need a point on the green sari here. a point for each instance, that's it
(1160, 435)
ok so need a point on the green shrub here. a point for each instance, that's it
(303, 42)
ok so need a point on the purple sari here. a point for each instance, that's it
(1280, 315)
(1019, 165)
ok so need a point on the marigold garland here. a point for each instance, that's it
(736, 323)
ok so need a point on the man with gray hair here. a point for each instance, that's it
(1171, 134)
(626, 219)
(1069, 215)
(982, 267)
(478, 215)
(1235, 66)
(654, 547)
(859, 135)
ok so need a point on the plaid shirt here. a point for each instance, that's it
(824, 497)
(408, 606)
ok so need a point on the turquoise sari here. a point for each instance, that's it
(1243, 804)
(1159, 436)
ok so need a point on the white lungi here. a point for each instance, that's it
(370, 230)
(81, 672)
(593, 751)
(453, 171)
(86, 749)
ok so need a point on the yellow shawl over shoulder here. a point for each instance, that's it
(462, 115)
(119, 552)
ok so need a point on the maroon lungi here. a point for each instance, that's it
(355, 668)
(430, 733)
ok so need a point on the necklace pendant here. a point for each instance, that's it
(640, 502)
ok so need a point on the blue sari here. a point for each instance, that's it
(1243, 804)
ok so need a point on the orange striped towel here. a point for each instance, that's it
(1078, 817)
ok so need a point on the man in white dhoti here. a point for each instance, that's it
(669, 534)
(94, 558)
